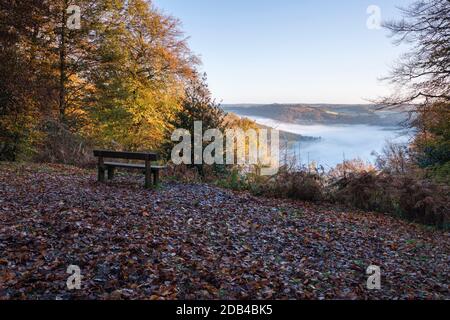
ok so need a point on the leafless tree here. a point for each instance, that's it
(422, 75)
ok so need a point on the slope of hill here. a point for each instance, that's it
(196, 241)
(284, 135)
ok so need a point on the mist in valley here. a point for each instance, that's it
(337, 142)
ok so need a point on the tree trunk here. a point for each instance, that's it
(62, 65)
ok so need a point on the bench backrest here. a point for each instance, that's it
(146, 156)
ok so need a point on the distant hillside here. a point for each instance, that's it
(284, 136)
(322, 113)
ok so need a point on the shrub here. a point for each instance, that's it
(417, 200)
(298, 185)
(366, 190)
(181, 173)
(60, 145)
(235, 180)
(440, 173)
(394, 158)
(425, 202)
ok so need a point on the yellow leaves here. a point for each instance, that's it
(233, 121)
(139, 80)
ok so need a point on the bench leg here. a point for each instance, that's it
(148, 175)
(101, 170)
(156, 177)
(101, 174)
(110, 173)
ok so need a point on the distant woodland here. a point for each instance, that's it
(326, 114)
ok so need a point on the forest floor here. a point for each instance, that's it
(197, 241)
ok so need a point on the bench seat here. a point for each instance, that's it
(136, 166)
(125, 165)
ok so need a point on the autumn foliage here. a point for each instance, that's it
(114, 83)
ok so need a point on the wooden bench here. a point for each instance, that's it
(147, 168)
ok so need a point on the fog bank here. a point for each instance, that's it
(338, 142)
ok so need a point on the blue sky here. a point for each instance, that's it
(289, 51)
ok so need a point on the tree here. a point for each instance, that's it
(25, 76)
(113, 81)
(422, 74)
(197, 105)
(422, 79)
(144, 62)
(432, 143)
(43, 70)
